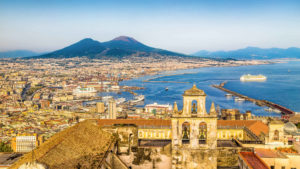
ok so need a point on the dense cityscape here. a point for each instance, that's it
(42, 98)
(152, 84)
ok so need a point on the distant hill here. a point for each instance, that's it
(17, 53)
(252, 53)
(117, 48)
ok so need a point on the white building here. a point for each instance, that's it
(149, 108)
(25, 143)
(80, 91)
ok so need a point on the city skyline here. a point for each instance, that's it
(184, 27)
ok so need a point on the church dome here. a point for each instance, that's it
(194, 91)
(290, 127)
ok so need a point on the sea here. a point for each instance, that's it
(281, 87)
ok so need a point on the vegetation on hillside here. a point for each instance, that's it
(4, 147)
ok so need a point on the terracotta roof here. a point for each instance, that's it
(268, 153)
(139, 122)
(256, 126)
(240, 123)
(253, 161)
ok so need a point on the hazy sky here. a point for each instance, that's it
(183, 26)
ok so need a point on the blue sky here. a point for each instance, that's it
(183, 26)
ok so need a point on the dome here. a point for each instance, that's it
(290, 127)
(194, 91)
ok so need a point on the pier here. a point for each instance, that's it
(285, 112)
(164, 81)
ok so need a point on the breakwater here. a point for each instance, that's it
(164, 81)
(285, 112)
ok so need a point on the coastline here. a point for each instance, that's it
(240, 63)
(216, 95)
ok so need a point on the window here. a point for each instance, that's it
(276, 135)
(202, 133)
(283, 167)
(194, 107)
(185, 133)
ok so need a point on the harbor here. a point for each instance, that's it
(285, 112)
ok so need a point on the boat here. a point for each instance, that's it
(106, 98)
(228, 95)
(252, 78)
(272, 110)
(120, 100)
(138, 98)
(238, 99)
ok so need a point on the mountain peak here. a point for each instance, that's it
(125, 39)
(117, 48)
(87, 40)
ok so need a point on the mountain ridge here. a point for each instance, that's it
(251, 52)
(17, 53)
(118, 47)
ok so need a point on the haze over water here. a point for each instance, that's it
(282, 86)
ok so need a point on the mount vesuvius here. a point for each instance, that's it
(119, 47)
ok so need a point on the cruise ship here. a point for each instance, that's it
(252, 78)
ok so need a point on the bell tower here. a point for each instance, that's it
(194, 132)
(193, 127)
(194, 102)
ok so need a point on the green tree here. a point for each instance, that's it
(5, 147)
(154, 112)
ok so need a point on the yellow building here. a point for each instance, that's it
(278, 160)
(100, 107)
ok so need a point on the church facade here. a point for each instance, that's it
(194, 132)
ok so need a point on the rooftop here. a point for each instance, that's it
(253, 161)
(256, 126)
(227, 143)
(268, 153)
(138, 122)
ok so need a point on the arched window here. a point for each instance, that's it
(276, 135)
(202, 133)
(194, 108)
(185, 133)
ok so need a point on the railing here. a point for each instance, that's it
(185, 141)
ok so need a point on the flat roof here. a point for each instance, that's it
(268, 153)
(227, 143)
